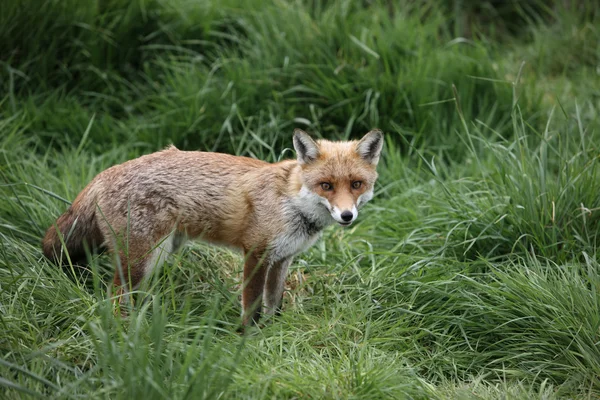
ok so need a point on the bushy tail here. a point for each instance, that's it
(78, 228)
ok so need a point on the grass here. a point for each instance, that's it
(473, 273)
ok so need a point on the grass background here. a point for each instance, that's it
(473, 274)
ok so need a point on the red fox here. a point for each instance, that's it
(142, 209)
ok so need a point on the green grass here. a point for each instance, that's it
(472, 274)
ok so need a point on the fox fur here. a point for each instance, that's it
(142, 209)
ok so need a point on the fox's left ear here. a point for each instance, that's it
(369, 147)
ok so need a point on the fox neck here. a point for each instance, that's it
(307, 204)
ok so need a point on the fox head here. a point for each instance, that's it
(337, 177)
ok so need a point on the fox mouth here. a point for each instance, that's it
(336, 219)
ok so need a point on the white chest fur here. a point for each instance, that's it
(290, 244)
(306, 215)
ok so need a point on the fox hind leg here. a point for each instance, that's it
(138, 261)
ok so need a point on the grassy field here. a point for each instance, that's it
(473, 274)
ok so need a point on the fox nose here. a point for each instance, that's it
(347, 216)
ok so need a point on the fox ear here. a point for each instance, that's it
(306, 148)
(369, 147)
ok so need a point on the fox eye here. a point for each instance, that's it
(326, 186)
(356, 184)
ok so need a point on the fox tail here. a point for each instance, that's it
(77, 228)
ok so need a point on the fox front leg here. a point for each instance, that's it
(253, 286)
(274, 286)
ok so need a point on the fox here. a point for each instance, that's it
(142, 210)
